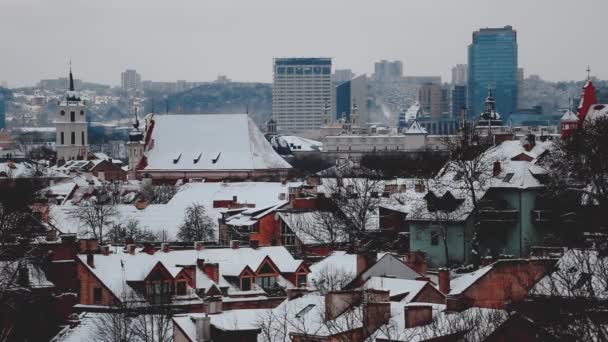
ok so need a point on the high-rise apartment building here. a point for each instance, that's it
(350, 93)
(342, 75)
(130, 80)
(459, 100)
(459, 74)
(434, 100)
(71, 124)
(388, 71)
(492, 61)
(301, 89)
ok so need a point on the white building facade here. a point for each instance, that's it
(301, 88)
(71, 140)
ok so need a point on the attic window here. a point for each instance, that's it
(175, 160)
(508, 177)
(197, 158)
(305, 310)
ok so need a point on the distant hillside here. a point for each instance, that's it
(220, 98)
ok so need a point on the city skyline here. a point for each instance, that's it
(199, 41)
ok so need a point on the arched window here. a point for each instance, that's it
(63, 112)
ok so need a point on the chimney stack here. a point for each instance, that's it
(203, 328)
(336, 302)
(417, 261)
(365, 260)
(164, 247)
(131, 249)
(51, 235)
(105, 250)
(212, 270)
(444, 280)
(496, 169)
(91, 260)
(485, 261)
(199, 245)
(254, 244)
(417, 315)
(234, 244)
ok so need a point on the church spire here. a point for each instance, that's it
(71, 78)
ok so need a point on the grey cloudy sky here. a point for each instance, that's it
(199, 39)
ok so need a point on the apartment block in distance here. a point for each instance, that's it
(301, 88)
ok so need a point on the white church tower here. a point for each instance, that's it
(71, 140)
(135, 146)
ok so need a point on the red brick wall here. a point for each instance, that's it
(508, 282)
(88, 282)
(111, 172)
(429, 294)
(269, 231)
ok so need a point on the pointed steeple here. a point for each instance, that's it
(71, 78)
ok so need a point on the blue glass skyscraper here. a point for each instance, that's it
(493, 60)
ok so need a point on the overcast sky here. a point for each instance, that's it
(197, 40)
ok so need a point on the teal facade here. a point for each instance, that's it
(515, 236)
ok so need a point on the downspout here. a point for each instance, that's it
(520, 225)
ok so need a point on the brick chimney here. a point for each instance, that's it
(365, 260)
(199, 245)
(455, 303)
(444, 280)
(376, 314)
(417, 261)
(91, 260)
(336, 302)
(212, 270)
(485, 261)
(254, 244)
(105, 250)
(131, 249)
(149, 248)
(203, 328)
(416, 315)
(234, 244)
(496, 169)
(164, 247)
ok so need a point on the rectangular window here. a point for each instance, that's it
(246, 284)
(434, 238)
(62, 138)
(301, 280)
(97, 295)
(181, 288)
(72, 116)
(266, 282)
(82, 138)
(73, 138)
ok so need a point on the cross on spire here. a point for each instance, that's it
(588, 73)
(71, 78)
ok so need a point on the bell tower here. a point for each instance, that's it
(71, 141)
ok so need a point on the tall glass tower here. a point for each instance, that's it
(493, 60)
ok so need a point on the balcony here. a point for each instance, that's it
(496, 211)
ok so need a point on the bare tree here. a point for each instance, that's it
(470, 169)
(157, 194)
(129, 231)
(332, 279)
(197, 225)
(97, 214)
(319, 226)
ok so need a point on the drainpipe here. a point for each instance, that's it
(521, 227)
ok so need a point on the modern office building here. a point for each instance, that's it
(492, 60)
(342, 75)
(130, 80)
(459, 100)
(434, 100)
(2, 112)
(301, 89)
(350, 93)
(459, 74)
(388, 71)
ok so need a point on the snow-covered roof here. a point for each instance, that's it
(116, 269)
(167, 218)
(313, 227)
(209, 142)
(299, 144)
(9, 275)
(569, 116)
(339, 262)
(25, 169)
(597, 111)
(396, 287)
(578, 273)
(415, 128)
(464, 281)
(412, 112)
(476, 324)
(231, 320)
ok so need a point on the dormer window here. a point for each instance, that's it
(180, 288)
